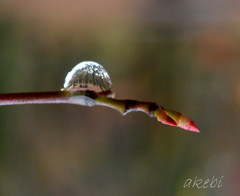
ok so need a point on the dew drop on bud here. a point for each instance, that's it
(87, 75)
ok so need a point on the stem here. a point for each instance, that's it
(34, 98)
(91, 98)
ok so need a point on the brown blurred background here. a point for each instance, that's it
(182, 54)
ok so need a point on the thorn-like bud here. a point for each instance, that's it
(182, 121)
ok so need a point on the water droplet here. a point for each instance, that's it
(87, 75)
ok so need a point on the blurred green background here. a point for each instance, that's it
(182, 54)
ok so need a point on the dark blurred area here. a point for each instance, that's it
(182, 54)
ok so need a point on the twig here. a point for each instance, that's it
(91, 98)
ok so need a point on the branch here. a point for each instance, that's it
(91, 98)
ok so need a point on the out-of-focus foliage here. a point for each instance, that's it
(182, 54)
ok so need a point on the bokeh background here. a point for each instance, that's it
(182, 54)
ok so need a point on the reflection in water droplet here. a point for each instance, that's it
(87, 75)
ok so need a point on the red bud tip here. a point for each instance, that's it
(183, 121)
(193, 127)
(187, 124)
